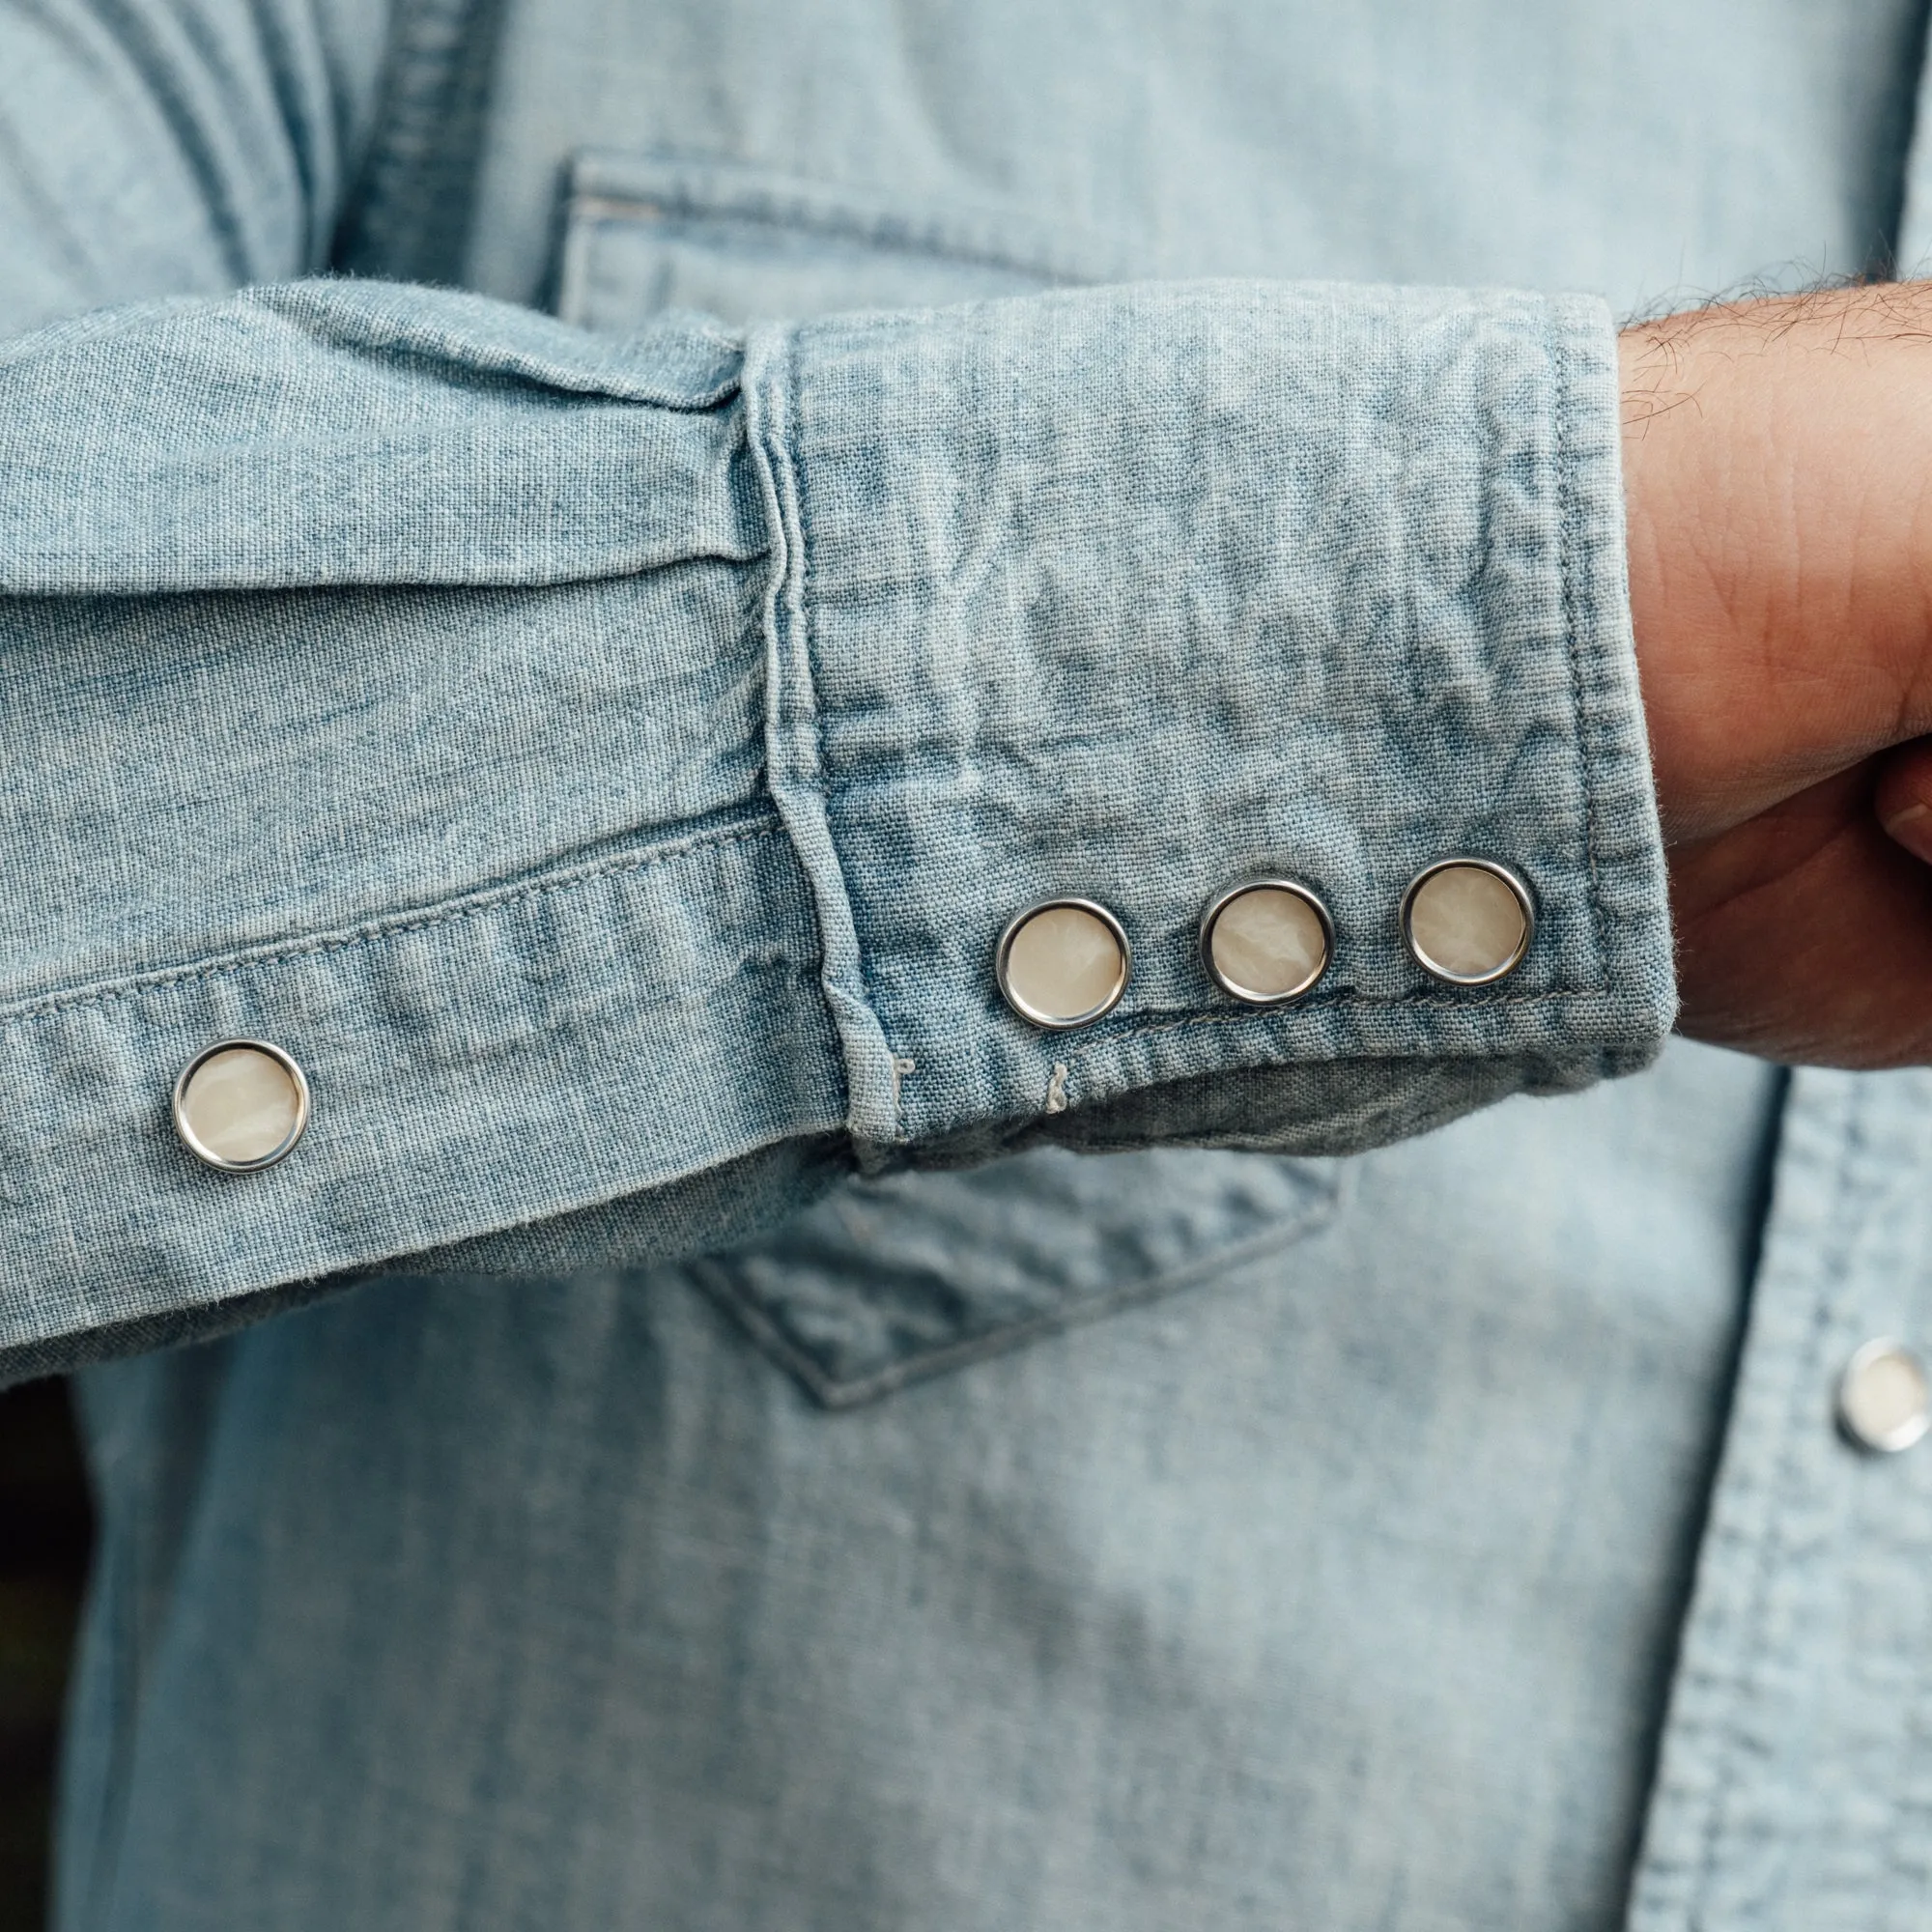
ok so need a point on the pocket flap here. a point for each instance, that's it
(644, 233)
(885, 1281)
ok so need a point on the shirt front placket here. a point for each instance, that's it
(1795, 1782)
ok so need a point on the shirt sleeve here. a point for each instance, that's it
(607, 767)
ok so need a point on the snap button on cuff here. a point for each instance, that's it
(1063, 963)
(240, 1105)
(1467, 921)
(1266, 942)
(1885, 1401)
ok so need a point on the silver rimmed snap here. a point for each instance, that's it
(1885, 1401)
(1266, 941)
(1467, 921)
(240, 1105)
(1063, 963)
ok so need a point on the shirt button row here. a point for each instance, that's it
(1067, 962)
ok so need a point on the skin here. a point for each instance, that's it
(1778, 484)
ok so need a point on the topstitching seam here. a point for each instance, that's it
(377, 931)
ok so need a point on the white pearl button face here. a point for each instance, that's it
(1467, 921)
(1885, 1401)
(1266, 942)
(240, 1106)
(1063, 963)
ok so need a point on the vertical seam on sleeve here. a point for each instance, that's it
(794, 743)
(807, 671)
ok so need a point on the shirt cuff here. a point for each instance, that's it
(1134, 596)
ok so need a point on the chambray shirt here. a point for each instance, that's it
(720, 1424)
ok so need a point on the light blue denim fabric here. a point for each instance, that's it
(606, 749)
(741, 695)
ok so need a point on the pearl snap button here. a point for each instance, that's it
(1266, 942)
(1885, 1401)
(1063, 963)
(240, 1106)
(1467, 921)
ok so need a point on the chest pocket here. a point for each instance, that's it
(883, 1282)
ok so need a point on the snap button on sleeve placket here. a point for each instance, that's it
(240, 1106)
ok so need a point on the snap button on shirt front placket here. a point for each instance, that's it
(240, 1106)
(1063, 963)
(1467, 922)
(1266, 942)
(1884, 1400)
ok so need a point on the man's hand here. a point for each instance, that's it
(1778, 477)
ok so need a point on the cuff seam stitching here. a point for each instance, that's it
(1560, 381)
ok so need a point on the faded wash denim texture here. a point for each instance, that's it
(750, 1464)
(739, 697)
